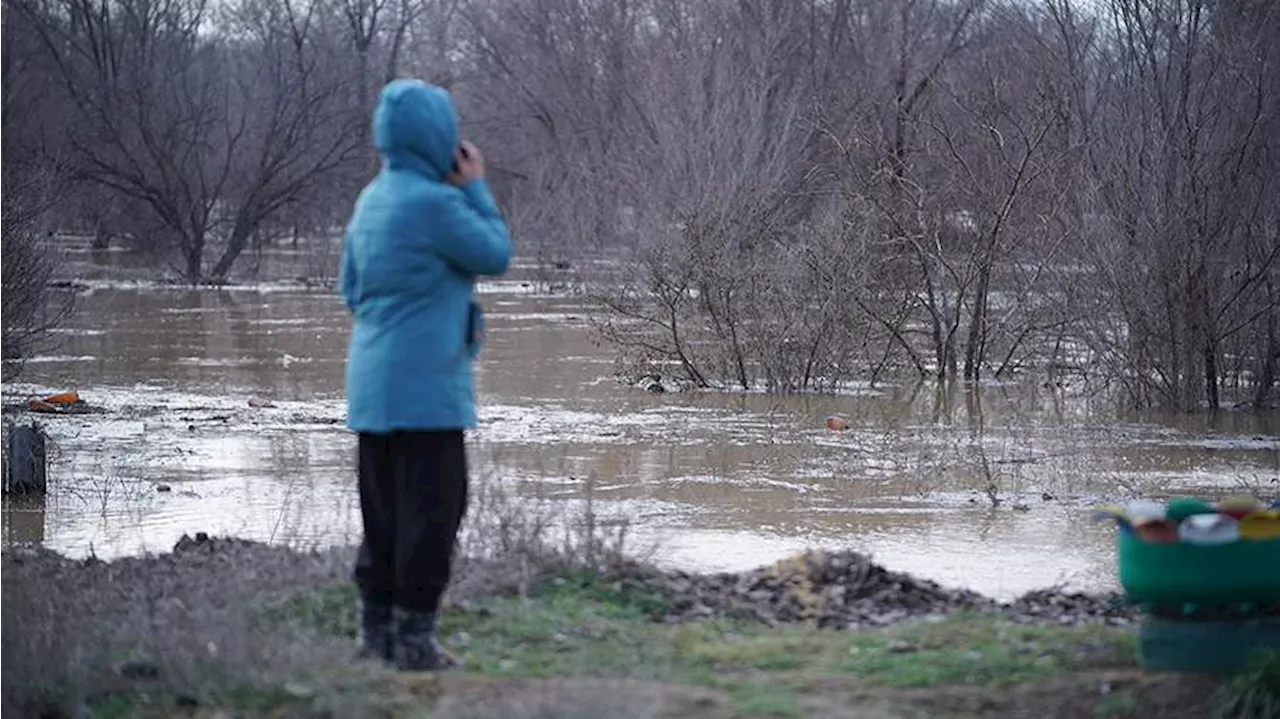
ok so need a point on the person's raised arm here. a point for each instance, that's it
(472, 234)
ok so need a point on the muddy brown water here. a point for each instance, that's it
(708, 480)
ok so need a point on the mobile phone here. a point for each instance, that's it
(462, 149)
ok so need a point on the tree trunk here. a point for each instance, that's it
(240, 234)
(1211, 374)
(739, 356)
(1267, 375)
(397, 43)
(363, 88)
(101, 236)
(195, 260)
(936, 326)
(951, 354)
(935, 329)
(973, 406)
(977, 325)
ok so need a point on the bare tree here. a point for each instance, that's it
(34, 180)
(212, 126)
(813, 191)
(551, 87)
(296, 129)
(793, 195)
(723, 187)
(1002, 147)
(886, 136)
(1184, 187)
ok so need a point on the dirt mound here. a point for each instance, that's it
(1051, 606)
(844, 590)
(202, 542)
(830, 589)
(201, 560)
(840, 590)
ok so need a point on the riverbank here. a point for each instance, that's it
(223, 627)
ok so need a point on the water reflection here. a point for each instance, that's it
(23, 519)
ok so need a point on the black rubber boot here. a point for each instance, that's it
(416, 648)
(374, 637)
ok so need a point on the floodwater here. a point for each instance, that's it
(989, 489)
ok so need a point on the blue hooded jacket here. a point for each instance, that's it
(412, 251)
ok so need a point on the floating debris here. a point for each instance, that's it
(837, 424)
(60, 403)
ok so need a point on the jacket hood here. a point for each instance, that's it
(415, 126)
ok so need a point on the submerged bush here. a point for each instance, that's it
(27, 265)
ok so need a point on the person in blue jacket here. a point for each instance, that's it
(421, 233)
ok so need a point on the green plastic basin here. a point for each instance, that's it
(1244, 571)
(1204, 647)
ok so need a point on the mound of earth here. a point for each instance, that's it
(839, 590)
(844, 590)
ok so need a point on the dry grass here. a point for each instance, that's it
(188, 623)
(74, 632)
(512, 537)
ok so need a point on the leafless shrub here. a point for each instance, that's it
(514, 536)
(185, 622)
(33, 184)
(29, 263)
(208, 121)
(962, 190)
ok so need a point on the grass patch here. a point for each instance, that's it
(140, 702)
(1117, 706)
(327, 609)
(582, 628)
(337, 691)
(963, 649)
(1254, 693)
(756, 700)
(968, 649)
(563, 629)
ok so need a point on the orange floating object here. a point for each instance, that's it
(63, 398)
(837, 424)
(39, 405)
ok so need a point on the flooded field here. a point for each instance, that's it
(988, 489)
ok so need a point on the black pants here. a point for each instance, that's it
(413, 495)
